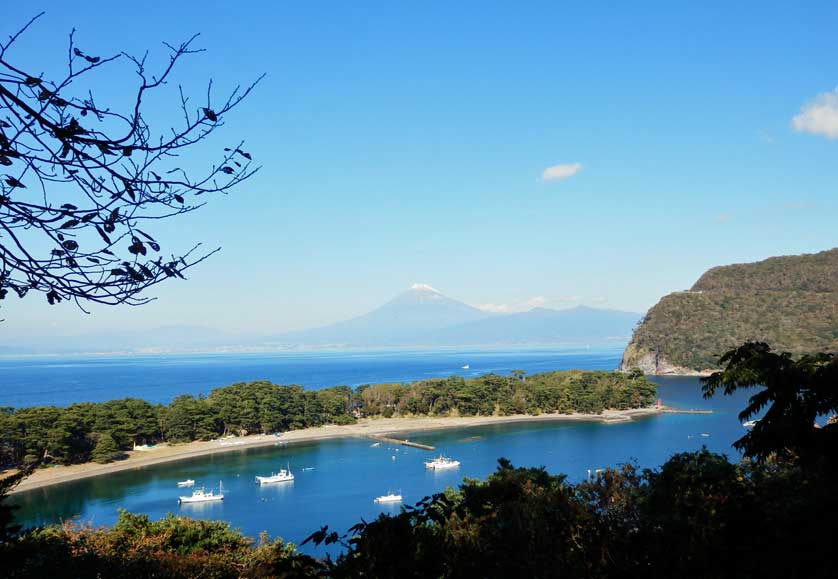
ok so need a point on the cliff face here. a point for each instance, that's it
(655, 363)
(790, 302)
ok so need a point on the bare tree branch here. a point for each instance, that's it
(103, 175)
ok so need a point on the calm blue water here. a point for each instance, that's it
(61, 381)
(341, 477)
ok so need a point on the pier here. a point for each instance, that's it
(616, 419)
(402, 442)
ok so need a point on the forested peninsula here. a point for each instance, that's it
(790, 302)
(103, 432)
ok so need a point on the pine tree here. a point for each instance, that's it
(106, 449)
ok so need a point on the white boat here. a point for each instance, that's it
(284, 475)
(749, 424)
(466, 367)
(186, 483)
(390, 497)
(202, 496)
(442, 462)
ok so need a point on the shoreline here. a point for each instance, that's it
(163, 453)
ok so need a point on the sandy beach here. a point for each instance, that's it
(375, 426)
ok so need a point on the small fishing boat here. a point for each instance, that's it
(202, 496)
(441, 463)
(186, 483)
(390, 497)
(466, 367)
(749, 424)
(284, 475)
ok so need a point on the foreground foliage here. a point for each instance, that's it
(796, 393)
(137, 547)
(102, 432)
(697, 516)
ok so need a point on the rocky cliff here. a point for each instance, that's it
(791, 302)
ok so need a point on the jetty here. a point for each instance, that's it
(402, 442)
(617, 419)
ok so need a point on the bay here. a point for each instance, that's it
(336, 480)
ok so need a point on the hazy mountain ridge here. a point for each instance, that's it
(418, 317)
(422, 316)
(790, 302)
(543, 325)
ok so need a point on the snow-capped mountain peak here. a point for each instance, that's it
(425, 288)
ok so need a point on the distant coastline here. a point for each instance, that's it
(376, 426)
(615, 343)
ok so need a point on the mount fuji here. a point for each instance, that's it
(413, 313)
(422, 316)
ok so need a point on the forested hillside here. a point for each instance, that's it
(103, 432)
(790, 302)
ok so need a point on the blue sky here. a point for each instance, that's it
(408, 142)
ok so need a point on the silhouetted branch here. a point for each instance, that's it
(100, 173)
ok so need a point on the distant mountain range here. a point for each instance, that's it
(545, 326)
(422, 316)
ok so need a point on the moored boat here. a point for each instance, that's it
(442, 462)
(390, 497)
(203, 496)
(186, 483)
(284, 475)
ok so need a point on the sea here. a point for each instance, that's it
(337, 480)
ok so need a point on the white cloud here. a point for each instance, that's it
(521, 305)
(559, 172)
(536, 302)
(819, 116)
(566, 299)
